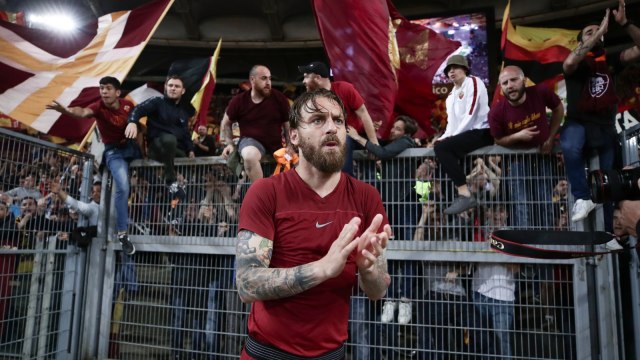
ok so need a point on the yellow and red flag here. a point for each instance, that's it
(540, 52)
(39, 66)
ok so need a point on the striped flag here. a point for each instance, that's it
(388, 59)
(540, 52)
(39, 66)
(199, 76)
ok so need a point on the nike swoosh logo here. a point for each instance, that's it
(320, 226)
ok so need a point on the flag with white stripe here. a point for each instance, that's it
(38, 66)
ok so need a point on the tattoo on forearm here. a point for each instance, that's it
(374, 282)
(381, 262)
(256, 281)
(226, 134)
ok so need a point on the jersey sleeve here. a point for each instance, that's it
(355, 100)
(232, 108)
(94, 106)
(257, 213)
(496, 121)
(143, 109)
(473, 103)
(551, 99)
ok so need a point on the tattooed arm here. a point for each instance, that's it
(226, 134)
(590, 37)
(256, 281)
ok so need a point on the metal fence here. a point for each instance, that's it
(41, 272)
(175, 297)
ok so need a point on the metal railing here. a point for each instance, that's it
(41, 271)
(167, 315)
(175, 297)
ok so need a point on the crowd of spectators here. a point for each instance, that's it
(415, 190)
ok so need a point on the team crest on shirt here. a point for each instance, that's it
(127, 108)
(598, 84)
(460, 95)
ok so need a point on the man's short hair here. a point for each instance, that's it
(176, 77)
(579, 36)
(410, 125)
(254, 69)
(110, 80)
(301, 104)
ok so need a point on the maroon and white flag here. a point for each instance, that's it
(38, 66)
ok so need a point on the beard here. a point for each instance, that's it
(264, 92)
(327, 162)
(515, 96)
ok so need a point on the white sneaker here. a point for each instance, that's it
(388, 310)
(581, 209)
(613, 245)
(404, 312)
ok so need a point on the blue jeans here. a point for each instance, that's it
(573, 142)
(530, 188)
(348, 156)
(496, 315)
(119, 168)
(359, 327)
(402, 277)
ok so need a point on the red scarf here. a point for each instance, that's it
(598, 93)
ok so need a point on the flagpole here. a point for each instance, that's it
(86, 137)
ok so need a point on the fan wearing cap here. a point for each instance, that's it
(262, 115)
(316, 76)
(467, 128)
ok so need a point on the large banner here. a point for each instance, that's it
(39, 66)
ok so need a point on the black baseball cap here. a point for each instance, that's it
(316, 67)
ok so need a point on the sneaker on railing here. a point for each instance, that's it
(613, 245)
(404, 312)
(127, 246)
(460, 204)
(176, 191)
(388, 311)
(581, 209)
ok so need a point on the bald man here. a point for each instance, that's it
(262, 116)
(520, 121)
(204, 144)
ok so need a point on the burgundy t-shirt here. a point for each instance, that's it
(303, 226)
(352, 102)
(505, 119)
(262, 121)
(111, 123)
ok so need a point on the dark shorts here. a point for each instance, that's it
(247, 141)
